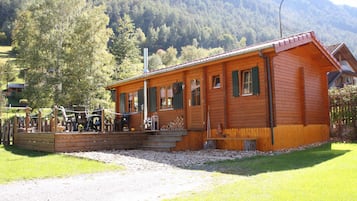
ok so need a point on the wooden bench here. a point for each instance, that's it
(249, 144)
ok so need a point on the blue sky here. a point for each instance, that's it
(352, 3)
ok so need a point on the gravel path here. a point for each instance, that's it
(149, 175)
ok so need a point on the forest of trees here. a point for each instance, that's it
(77, 40)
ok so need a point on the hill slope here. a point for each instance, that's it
(220, 23)
(177, 22)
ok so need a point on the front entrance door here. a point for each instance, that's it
(195, 119)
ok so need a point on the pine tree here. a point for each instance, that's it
(125, 49)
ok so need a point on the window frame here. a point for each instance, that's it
(133, 102)
(166, 97)
(195, 93)
(215, 84)
(247, 82)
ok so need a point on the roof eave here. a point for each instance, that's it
(218, 57)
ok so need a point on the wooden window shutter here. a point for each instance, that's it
(113, 95)
(122, 103)
(152, 99)
(255, 78)
(140, 99)
(178, 95)
(235, 83)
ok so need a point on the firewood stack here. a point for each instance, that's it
(176, 124)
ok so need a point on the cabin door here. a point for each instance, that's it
(194, 91)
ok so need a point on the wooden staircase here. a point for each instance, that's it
(163, 140)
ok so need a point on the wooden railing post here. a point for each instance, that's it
(102, 121)
(15, 128)
(53, 121)
(39, 121)
(27, 119)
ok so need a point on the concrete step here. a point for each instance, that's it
(163, 138)
(163, 141)
(157, 149)
(159, 144)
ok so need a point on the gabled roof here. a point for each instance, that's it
(341, 50)
(278, 45)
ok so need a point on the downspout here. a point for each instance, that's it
(146, 70)
(270, 94)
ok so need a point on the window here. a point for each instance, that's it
(177, 89)
(166, 97)
(216, 82)
(247, 84)
(133, 102)
(195, 92)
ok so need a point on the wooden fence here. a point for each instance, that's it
(343, 113)
(6, 133)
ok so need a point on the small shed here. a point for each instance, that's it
(274, 93)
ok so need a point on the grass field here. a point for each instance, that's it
(17, 164)
(5, 54)
(325, 173)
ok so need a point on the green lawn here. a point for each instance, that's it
(324, 173)
(17, 164)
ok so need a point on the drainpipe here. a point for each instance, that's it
(146, 70)
(270, 94)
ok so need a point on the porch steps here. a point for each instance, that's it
(163, 140)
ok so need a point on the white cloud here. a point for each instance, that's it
(352, 3)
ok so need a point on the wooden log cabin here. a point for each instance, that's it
(275, 93)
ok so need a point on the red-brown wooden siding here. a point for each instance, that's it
(215, 96)
(300, 89)
(247, 111)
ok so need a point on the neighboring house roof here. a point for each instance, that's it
(341, 52)
(278, 45)
(347, 61)
(16, 85)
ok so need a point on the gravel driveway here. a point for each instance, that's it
(149, 175)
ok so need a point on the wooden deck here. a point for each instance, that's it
(73, 142)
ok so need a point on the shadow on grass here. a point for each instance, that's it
(24, 152)
(271, 163)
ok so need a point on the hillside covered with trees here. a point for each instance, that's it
(71, 42)
(222, 23)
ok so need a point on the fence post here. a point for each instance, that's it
(7, 134)
(14, 128)
(0, 131)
